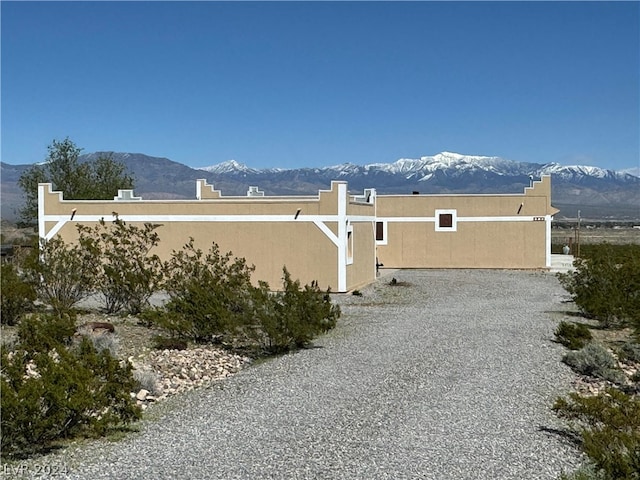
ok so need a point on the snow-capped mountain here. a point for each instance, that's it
(577, 171)
(631, 171)
(230, 166)
(452, 163)
(448, 172)
(449, 164)
(607, 193)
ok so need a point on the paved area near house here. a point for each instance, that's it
(448, 375)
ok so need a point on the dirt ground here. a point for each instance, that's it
(615, 236)
(133, 339)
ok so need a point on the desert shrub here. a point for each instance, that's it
(106, 341)
(62, 274)
(573, 335)
(127, 274)
(609, 425)
(606, 284)
(44, 332)
(149, 315)
(596, 361)
(586, 472)
(356, 293)
(17, 296)
(168, 343)
(51, 392)
(210, 295)
(629, 351)
(212, 299)
(146, 379)
(294, 316)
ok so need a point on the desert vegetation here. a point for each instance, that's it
(57, 382)
(604, 348)
(100, 179)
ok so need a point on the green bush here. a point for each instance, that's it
(44, 332)
(61, 274)
(127, 274)
(294, 316)
(50, 391)
(596, 361)
(573, 335)
(629, 351)
(606, 284)
(210, 295)
(17, 296)
(609, 425)
(212, 299)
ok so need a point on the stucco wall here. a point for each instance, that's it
(488, 231)
(304, 233)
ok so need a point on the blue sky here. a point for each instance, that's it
(292, 84)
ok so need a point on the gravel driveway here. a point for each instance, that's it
(448, 377)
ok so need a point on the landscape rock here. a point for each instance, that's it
(178, 371)
(142, 394)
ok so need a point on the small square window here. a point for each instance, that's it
(445, 220)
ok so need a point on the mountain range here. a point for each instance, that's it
(598, 193)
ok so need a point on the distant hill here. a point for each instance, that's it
(598, 193)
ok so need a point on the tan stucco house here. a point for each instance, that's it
(333, 237)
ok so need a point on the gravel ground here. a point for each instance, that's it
(449, 375)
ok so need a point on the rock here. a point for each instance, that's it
(142, 394)
(182, 370)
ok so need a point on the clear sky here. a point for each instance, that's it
(292, 84)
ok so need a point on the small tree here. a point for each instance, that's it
(77, 180)
(127, 274)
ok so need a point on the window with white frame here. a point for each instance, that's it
(446, 220)
(381, 233)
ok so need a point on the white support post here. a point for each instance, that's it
(342, 237)
(547, 242)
